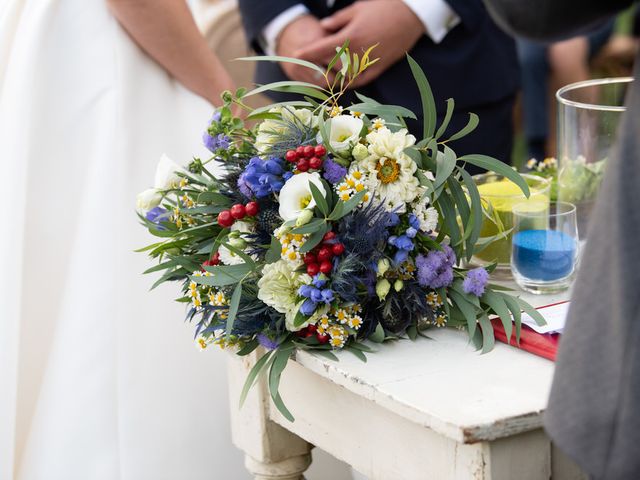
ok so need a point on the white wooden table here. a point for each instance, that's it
(430, 409)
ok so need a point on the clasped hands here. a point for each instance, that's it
(389, 23)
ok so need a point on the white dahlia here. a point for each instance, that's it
(390, 170)
(278, 288)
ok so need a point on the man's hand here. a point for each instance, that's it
(302, 32)
(390, 23)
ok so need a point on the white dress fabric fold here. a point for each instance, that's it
(99, 379)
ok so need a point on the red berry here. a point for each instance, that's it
(310, 334)
(238, 211)
(216, 258)
(328, 236)
(291, 156)
(303, 165)
(309, 151)
(337, 249)
(252, 209)
(315, 163)
(225, 219)
(324, 254)
(300, 151)
(312, 328)
(325, 267)
(322, 337)
(302, 333)
(320, 151)
(313, 269)
(310, 258)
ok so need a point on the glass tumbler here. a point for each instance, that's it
(544, 246)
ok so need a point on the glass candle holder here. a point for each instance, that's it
(499, 195)
(588, 116)
(544, 246)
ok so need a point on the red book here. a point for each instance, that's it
(541, 344)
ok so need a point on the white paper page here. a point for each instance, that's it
(555, 315)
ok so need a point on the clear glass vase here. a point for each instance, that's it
(588, 116)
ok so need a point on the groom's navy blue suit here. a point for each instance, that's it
(475, 64)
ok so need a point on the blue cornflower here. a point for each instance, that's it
(266, 342)
(308, 307)
(333, 172)
(262, 177)
(157, 215)
(476, 281)
(435, 270)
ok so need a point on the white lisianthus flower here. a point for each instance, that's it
(390, 170)
(167, 174)
(345, 132)
(227, 257)
(271, 130)
(295, 195)
(147, 200)
(278, 288)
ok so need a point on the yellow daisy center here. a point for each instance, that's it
(389, 171)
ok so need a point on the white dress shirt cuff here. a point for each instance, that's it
(436, 16)
(272, 31)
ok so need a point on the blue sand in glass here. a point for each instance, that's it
(543, 255)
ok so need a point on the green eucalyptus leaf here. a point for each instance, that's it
(498, 305)
(313, 226)
(321, 202)
(378, 334)
(488, 337)
(234, 304)
(253, 376)
(469, 127)
(426, 96)
(278, 58)
(447, 118)
(291, 86)
(495, 165)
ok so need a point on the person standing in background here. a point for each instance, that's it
(463, 53)
(593, 408)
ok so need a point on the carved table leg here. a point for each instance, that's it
(271, 452)
(289, 469)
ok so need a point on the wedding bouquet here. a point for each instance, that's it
(325, 226)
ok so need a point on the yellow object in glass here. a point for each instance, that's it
(501, 194)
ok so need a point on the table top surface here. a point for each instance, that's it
(444, 384)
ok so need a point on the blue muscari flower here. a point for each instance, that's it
(262, 177)
(435, 270)
(400, 256)
(308, 307)
(333, 172)
(476, 281)
(319, 280)
(266, 342)
(411, 232)
(287, 175)
(157, 215)
(404, 244)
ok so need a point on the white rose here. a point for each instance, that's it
(166, 174)
(345, 132)
(148, 199)
(295, 195)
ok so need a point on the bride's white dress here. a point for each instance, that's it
(99, 378)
